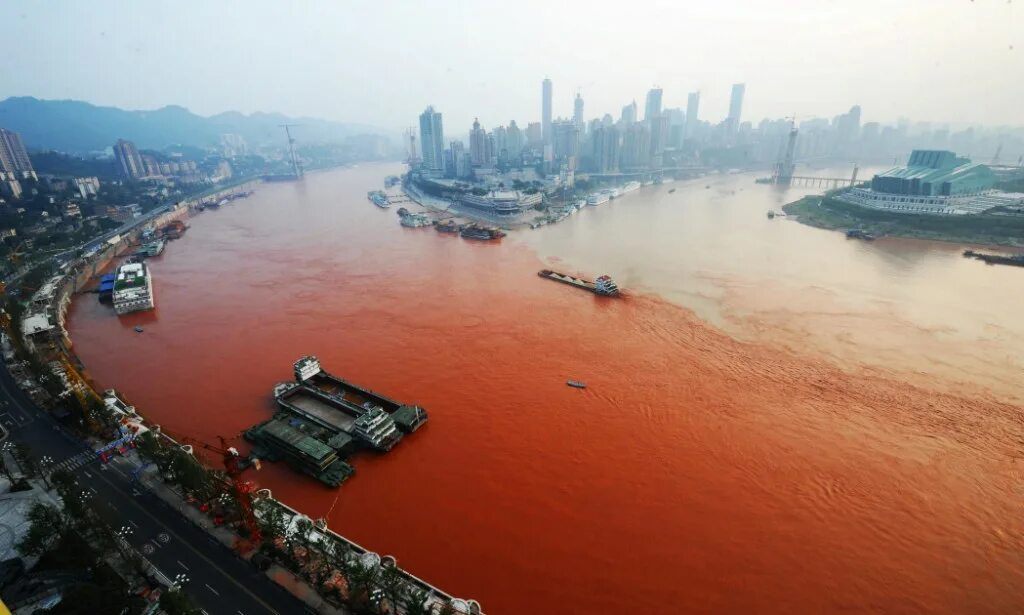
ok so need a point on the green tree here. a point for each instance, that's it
(177, 602)
(46, 526)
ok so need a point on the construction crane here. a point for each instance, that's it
(242, 489)
(296, 168)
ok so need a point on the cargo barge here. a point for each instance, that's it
(603, 285)
(996, 259)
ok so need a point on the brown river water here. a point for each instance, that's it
(777, 419)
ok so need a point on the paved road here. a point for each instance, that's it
(220, 583)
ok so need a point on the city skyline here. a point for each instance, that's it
(956, 53)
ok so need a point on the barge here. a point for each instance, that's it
(996, 259)
(482, 233)
(603, 285)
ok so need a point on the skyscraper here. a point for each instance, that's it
(736, 106)
(565, 135)
(653, 108)
(432, 139)
(534, 135)
(629, 113)
(692, 109)
(13, 157)
(545, 111)
(605, 149)
(577, 112)
(478, 144)
(514, 140)
(129, 162)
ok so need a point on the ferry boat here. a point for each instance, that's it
(614, 193)
(448, 226)
(484, 233)
(630, 187)
(414, 220)
(603, 285)
(379, 199)
(133, 289)
(597, 198)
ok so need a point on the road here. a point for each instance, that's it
(219, 582)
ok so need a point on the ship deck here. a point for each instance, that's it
(352, 394)
(309, 403)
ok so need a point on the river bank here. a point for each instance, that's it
(822, 211)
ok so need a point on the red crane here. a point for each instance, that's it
(242, 489)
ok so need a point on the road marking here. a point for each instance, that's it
(199, 554)
(212, 589)
(93, 489)
(134, 524)
(156, 543)
(86, 473)
(240, 613)
(182, 565)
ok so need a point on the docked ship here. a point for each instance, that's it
(630, 187)
(996, 259)
(603, 285)
(379, 199)
(448, 226)
(484, 233)
(133, 288)
(598, 197)
(414, 220)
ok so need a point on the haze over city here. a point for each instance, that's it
(475, 308)
(380, 63)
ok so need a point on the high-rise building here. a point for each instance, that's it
(605, 141)
(13, 157)
(535, 135)
(461, 163)
(659, 126)
(736, 106)
(432, 140)
(478, 144)
(513, 140)
(577, 112)
(500, 136)
(653, 108)
(129, 162)
(636, 146)
(565, 135)
(628, 113)
(692, 110)
(545, 110)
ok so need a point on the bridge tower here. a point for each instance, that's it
(783, 172)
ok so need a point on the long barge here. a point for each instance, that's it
(996, 259)
(603, 285)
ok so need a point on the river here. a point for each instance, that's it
(777, 419)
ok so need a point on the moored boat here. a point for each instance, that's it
(603, 285)
(448, 226)
(484, 233)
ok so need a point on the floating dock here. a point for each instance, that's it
(323, 419)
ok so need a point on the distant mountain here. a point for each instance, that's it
(78, 127)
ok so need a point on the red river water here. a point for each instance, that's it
(730, 454)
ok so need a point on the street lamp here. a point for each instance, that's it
(44, 469)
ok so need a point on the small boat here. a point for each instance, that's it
(671, 190)
(771, 214)
(857, 233)
(576, 384)
(483, 233)
(139, 329)
(448, 226)
(403, 211)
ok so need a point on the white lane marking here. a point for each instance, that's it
(93, 489)
(182, 565)
(212, 589)
(86, 473)
(134, 524)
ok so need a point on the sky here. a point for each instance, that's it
(382, 62)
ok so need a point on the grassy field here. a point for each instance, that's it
(829, 213)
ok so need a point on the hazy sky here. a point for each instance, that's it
(382, 62)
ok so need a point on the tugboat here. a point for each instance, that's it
(483, 233)
(603, 285)
(448, 226)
